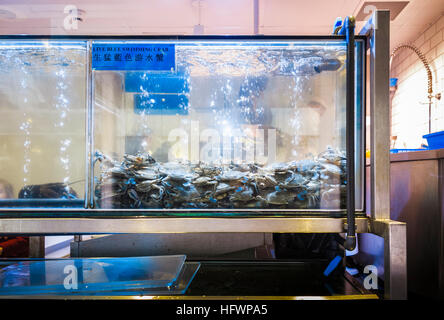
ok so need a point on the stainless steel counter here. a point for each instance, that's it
(417, 198)
(417, 192)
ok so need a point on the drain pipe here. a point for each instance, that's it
(348, 29)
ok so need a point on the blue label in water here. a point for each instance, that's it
(149, 57)
(161, 104)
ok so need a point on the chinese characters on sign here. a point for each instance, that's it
(155, 57)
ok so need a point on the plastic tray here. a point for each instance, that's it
(435, 140)
(405, 150)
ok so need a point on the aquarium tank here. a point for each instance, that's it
(220, 124)
(43, 122)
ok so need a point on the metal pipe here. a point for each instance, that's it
(430, 115)
(349, 30)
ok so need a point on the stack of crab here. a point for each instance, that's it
(141, 182)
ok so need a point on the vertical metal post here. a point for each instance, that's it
(88, 172)
(380, 115)
(395, 262)
(90, 129)
(75, 246)
(37, 247)
(395, 257)
(394, 233)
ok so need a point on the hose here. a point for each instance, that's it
(423, 60)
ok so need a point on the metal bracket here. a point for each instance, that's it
(395, 256)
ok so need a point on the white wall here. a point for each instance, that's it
(410, 102)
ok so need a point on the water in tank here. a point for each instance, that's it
(225, 125)
(42, 122)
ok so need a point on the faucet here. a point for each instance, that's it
(429, 75)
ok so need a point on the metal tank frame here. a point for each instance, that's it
(376, 31)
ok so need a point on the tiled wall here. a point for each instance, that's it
(410, 102)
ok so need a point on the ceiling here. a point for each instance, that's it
(137, 17)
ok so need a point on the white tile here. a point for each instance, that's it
(410, 71)
(412, 58)
(396, 60)
(425, 46)
(420, 41)
(436, 39)
(418, 66)
(431, 54)
(440, 48)
(404, 54)
(439, 62)
(440, 24)
(403, 67)
(430, 32)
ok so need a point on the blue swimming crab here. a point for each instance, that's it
(139, 181)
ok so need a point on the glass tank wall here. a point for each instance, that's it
(211, 125)
(241, 125)
(42, 123)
